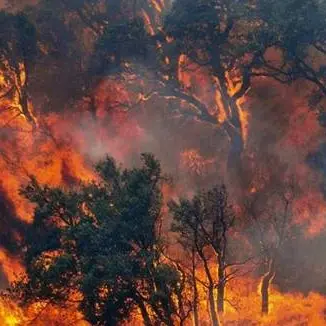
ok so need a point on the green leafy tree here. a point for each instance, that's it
(101, 241)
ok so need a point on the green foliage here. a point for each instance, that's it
(121, 42)
(293, 23)
(195, 26)
(101, 240)
(204, 221)
(295, 27)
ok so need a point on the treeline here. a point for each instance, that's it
(102, 245)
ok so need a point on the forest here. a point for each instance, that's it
(162, 162)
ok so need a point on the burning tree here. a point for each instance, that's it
(99, 245)
(271, 218)
(188, 61)
(203, 226)
(17, 53)
(233, 44)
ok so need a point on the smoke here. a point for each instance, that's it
(277, 147)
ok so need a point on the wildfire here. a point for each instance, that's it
(222, 115)
(183, 76)
(10, 314)
(153, 22)
(38, 315)
(194, 162)
(233, 87)
(158, 5)
(59, 149)
(286, 309)
(148, 23)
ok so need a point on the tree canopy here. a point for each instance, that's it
(102, 241)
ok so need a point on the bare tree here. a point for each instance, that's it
(270, 212)
(204, 225)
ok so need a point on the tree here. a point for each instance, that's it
(203, 225)
(235, 39)
(100, 242)
(270, 213)
(118, 43)
(237, 43)
(299, 37)
(97, 15)
(17, 54)
(59, 61)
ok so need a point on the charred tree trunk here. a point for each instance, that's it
(233, 128)
(22, 90)
(144, 313)
(195, 290)
(92, 106)
(266, 280)
(232, 124)
(164, 308)
(212, 309)
(221, 287)
(211, 299)
(25, 105)
(181, 313)
(161, 307)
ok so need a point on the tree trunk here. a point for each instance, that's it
(221, 277)
(220, 289)
(195, 290)
(211, 299)
(233, 128)
(144, 313)
(212, 309)
(266, 280)
(25, 105)
(232, 125)
(196, 316)
(22, 89)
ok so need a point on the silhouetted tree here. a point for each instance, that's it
(101, 240)
(203, 225)
(270, 212)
